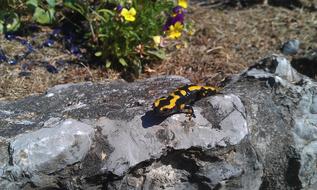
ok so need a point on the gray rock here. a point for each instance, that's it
(141, 144)
(259, 133)
(45, 151)
(296, 93)
(66, 144)
(290, 47)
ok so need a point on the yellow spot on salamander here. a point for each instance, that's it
(192, 88)
(172, 102)
(157, 102)
(183, 92)
(211, 88)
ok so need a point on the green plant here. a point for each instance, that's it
(43, 11)
(9, 20)
(122, 34)
(11, 11)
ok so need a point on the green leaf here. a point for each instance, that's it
(69, 1)
(51, 3)
(158, 53)
(32, 3)
(123, 62)
(43, 17)
(74, 6)
(13, 22)
(108, 64)
(106, 11)
(98, 54)
(1, 28)
(51, 12)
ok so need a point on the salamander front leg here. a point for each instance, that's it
(188, 109)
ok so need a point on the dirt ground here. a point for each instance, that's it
(226, 41)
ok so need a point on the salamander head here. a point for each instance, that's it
(209, 90)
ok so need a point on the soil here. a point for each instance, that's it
(226, 41)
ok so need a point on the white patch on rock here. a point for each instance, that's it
(48, 95)
(285, 70)
(5, 112)
(165, 175)
(19, 122)
(61, 87)
(50, 149)
(284, 73)
(73, 107)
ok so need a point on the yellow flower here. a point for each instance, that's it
(129, 15)
(175, 31)
(183, 3)
(157, 40)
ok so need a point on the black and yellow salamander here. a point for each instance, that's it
(182, 100)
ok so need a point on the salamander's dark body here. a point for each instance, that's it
(182, 99)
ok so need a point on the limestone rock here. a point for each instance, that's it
(259, 133)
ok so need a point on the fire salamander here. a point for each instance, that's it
(182, 99)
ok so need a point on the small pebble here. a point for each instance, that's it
(24, 74)
(50, 68)
(290, 47)
(25, 66)
(60, 62)
(75, 50)
(12, 62)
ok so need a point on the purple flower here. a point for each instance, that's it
(75, 50)
(168, 23)
(177, 10)
(178, 18)
(119, 8)
(172, 20)
(9, 36)
(48, 43)
(22, 41)
(29, 47)
(56, 32)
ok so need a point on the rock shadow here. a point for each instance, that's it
(305, 66)
(150, 119)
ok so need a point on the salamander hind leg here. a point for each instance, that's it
(188, 109)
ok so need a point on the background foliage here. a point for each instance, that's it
(115, 41)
